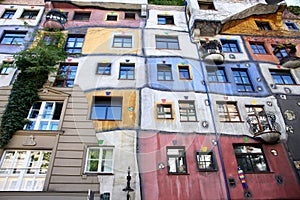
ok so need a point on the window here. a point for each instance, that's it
(166, 42)
(105, 196)
(107, 108)
(258, 48)
(242, 80)
(263, 25)
(291, 26)
(8, 14)
(216, 74)
(283, 77)
(164, 111)
(82, 16)
(99, 160)
(206, 161)
(176, 160)
(206, 5)
(44, 115)
(74, 43)
(24, 170)
(163, 19)
(29, 14)
(228, 112)
(8, 67)
(104, 68)
(126, 71)
(258, 119)
(12, 37)
(250, 158)
(164, 72)
(129, 15)
(282, 53)
(122, 41)
(111, 17)
(230, 46)
(51, 39)
(187, 111)
(66, 75)
(184, 72)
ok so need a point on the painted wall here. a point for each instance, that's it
(124, 147)
(100, 40)
(176, 84)
(16, 19)
(130, 109)
(150, 98)
(158, 184)
(261, 185)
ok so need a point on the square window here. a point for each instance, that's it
(230, 46)
(242, 80)
(44, 115)
(164, 72)
(82, 16)
(228, 112)
(122, 41)
(283, 77)
(8, 14)
(291, 26)
(164, 19)
(176, 160)
(5, 71)
(206, 161)
(258, 48)
(216, 74)
(129, 15)
(99, 160)
(74, 43)
(104, 68)
(111, 17)
(187, 111)
(29, 14)
(50, 39)
(107, 108)
(166, 42)
(127, 71)
(184, 72)
(282, 53)
(250, 158)
(206, 5)
(258, 119)
(26, 167)
(66, 75)
(263, 25)
(164, 111)
(105, 196)
(13, 37)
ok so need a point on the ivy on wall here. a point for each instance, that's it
(167, 2)
(34, 65)
(294, 9)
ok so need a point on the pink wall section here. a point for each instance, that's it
(158, 184)
(261, 185)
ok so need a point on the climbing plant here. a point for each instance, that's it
(294, 9)
(167, 2)
(34, 65)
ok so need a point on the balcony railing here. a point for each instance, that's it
(55, 20)
(211, 52)
(287, 59)
(265, 127)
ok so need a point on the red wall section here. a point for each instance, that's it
(158, 184)
(261, 185)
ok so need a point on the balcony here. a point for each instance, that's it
(211, 52)
(55, 20)
(286, 53)
(265, 128)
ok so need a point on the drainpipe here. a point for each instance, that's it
(210, 108)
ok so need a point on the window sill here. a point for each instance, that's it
(172, 174)
(98, 173)
(211, 170)
(189, 121)
(165, 80)
(165, 118)
(218, 82)
(112, 120)
(186, 79)
(125, 79)
(232, 121)
(286, 84)
(39, 132)
(11, 44)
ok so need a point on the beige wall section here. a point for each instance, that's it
(100, 40)
(129, 116)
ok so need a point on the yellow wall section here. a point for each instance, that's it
(248, 26)
(129, 118)
(100, 40)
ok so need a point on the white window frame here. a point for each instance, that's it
(26, 175)
(40, 119)
(100, 160)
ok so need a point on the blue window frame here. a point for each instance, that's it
(230, 46)
(242, 80)
(163, 19)
(216, 74)
(258, 48)
(29, 14)
(74, 43)
(291, 26)
(127, 71)
(164, 72)
(8, 14)
(107, 108)
(184, 72)
(166, 42)
(13, 37)
(66, 75)
(104, 68)
(283, 77)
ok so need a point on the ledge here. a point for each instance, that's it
(39, 132)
